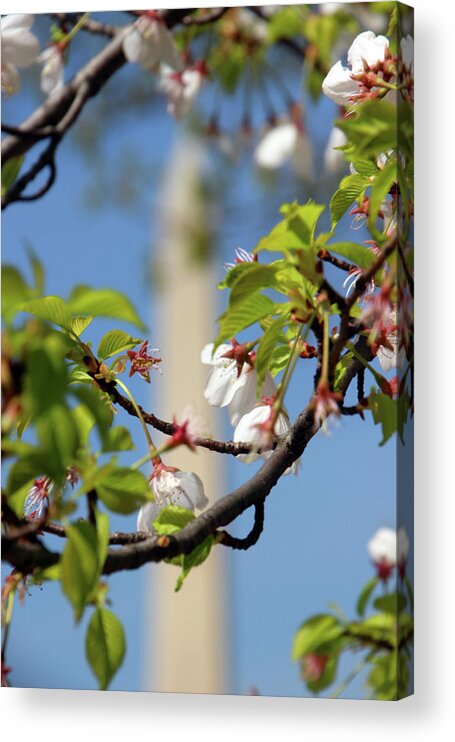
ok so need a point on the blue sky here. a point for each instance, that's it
(313, 550)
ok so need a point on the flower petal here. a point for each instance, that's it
(245, 396)
(222, 384)
(383, 546)
(17, 20)
(193, 487)
(339, 85)
(369, 47)
(19, 47)
(216, 358)
(147, 514)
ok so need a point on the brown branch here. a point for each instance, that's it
(365, 278)
(90, 24)
(26, 556)
(368, 640)
(327, 257)
(117, 538)
(168, 428)
(58, 113)
(253, 536)
(45, 160)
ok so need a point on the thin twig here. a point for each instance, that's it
(253, 536)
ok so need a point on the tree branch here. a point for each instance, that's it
(58, 113)
(253, 536)
(27, 555)
(168, 428)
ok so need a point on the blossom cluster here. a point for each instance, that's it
(370, 73)
(232, 383)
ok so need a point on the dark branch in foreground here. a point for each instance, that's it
(253, 536)
(168, 428)
(57, 114)
(28, 555)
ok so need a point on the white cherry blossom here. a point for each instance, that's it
(389, 549)
(383, 546)
(171, 486)
(339, 84)
(282, 144)
(252, 428)
(227, 388)
(149, 42)
(181, 89)
(20, 48)
(52, 74)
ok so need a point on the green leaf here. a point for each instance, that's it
(79, 324)
(235, 272)
(47, 377)
(50, 308)
(123, 490)
(21, 475)
(381, 186)
(327, 678)
(99, 409)
(172, 519)
(102, 531)
(280, 358)
(365, 596)
(394, 603)
(296, 230)
(194, 559)
(30, 465)
(104, 645)
(115, 341)
(357, 254)
(377, 628)
(80, 565)
(393, 22)
(341, 368)
(316, 634)
(285, 23)
(383, 677)
(59, 438)
(10, 171)
(385, 413)
(262, 277)
(266, 348)
(15, 290)
(103, 303)
(118, 439)
(302, 220)
(351, 188)
(371, 128)
(242, 315)
(84, 421)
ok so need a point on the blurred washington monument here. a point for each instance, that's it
(187, 650)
